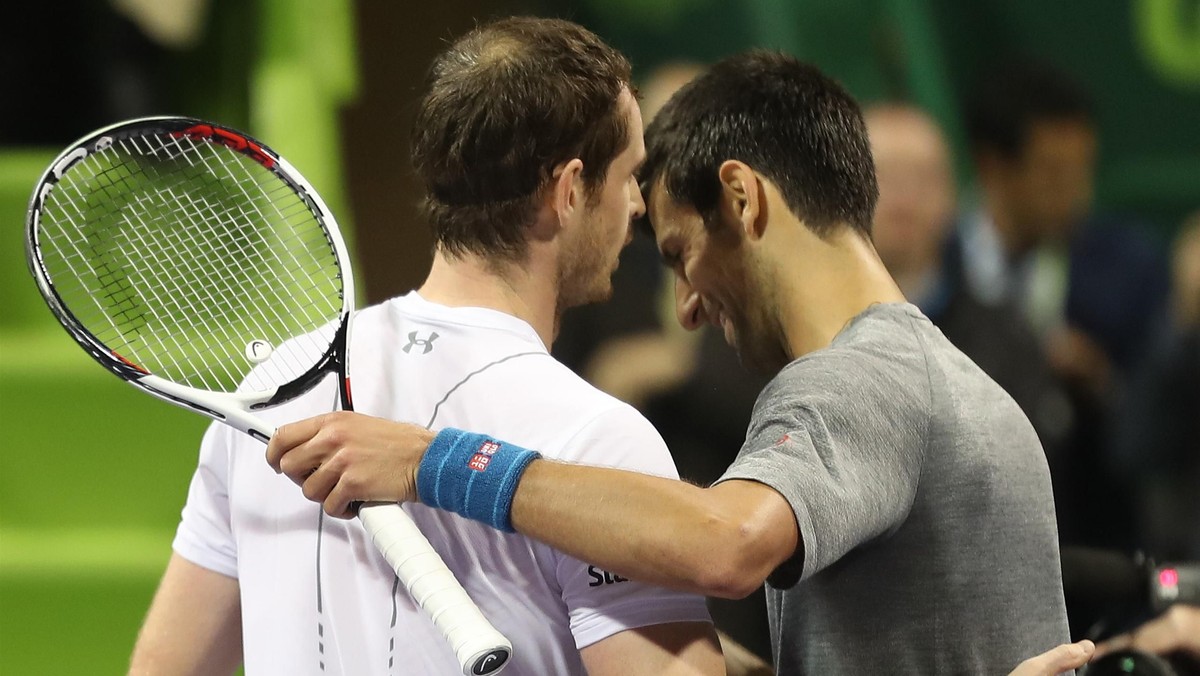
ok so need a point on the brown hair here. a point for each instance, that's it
(502, 107)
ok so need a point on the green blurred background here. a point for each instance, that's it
(93, 474)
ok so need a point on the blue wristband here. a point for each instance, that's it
(473, 475)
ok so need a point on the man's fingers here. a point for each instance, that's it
(340, 503)
(301, 461)
(1064, 657)
(1114, 644)
(317, 486)
(1069, 656)
(341, 457)
(289, 436)
(1175, 630)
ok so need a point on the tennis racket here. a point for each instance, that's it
(196, 264)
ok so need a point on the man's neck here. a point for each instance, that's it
(526, 290)
(816, 303)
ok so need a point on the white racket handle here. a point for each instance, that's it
(479, 648)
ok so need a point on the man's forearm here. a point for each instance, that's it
(720, 541)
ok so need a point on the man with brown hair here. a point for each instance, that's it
(527, 140)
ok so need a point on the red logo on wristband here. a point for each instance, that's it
(479, 462)
(489, 447)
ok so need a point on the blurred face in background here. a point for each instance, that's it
(1048, 187)
(916, 188)
(663, 82)
(1186, 274)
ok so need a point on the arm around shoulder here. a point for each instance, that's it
(194, 625)
(721, 541)
(762, 536)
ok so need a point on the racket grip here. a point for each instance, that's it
(479, 648)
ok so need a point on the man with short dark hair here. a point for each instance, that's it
(893, 497)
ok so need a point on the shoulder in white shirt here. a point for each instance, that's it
(416, 361)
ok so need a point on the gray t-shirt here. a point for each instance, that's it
(924, 505)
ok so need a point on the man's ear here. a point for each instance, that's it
(741, 199)
(566, 193)
(559, 202)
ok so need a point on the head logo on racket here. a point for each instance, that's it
(491, 662)
(258, 350)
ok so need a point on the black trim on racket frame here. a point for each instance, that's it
(306, 380)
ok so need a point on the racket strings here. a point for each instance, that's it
(209, 262)
(184, 252)
(212, 296)
(197, 318)
(199, 207)
(118, 292)
(200, 314)
(102, 271)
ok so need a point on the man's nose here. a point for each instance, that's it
(637, 202)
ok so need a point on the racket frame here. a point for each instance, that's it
(228, 407)
(478, 647)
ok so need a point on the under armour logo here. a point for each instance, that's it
(425, 343)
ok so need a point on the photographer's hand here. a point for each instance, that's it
(1177, 630)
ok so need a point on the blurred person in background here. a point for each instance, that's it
(914, 237)
(1159, 441)
(1090, 285)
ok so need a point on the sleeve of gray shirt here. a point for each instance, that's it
(841, 434)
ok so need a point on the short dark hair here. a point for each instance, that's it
(782, 117)
(503, 105)
(1009, 101)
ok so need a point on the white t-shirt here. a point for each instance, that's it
(415, 361)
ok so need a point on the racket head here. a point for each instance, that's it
(178, 250)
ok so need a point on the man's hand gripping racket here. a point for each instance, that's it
(198, 265)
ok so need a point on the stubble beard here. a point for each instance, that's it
(585, 274)
(760, 344)
(581, 281)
